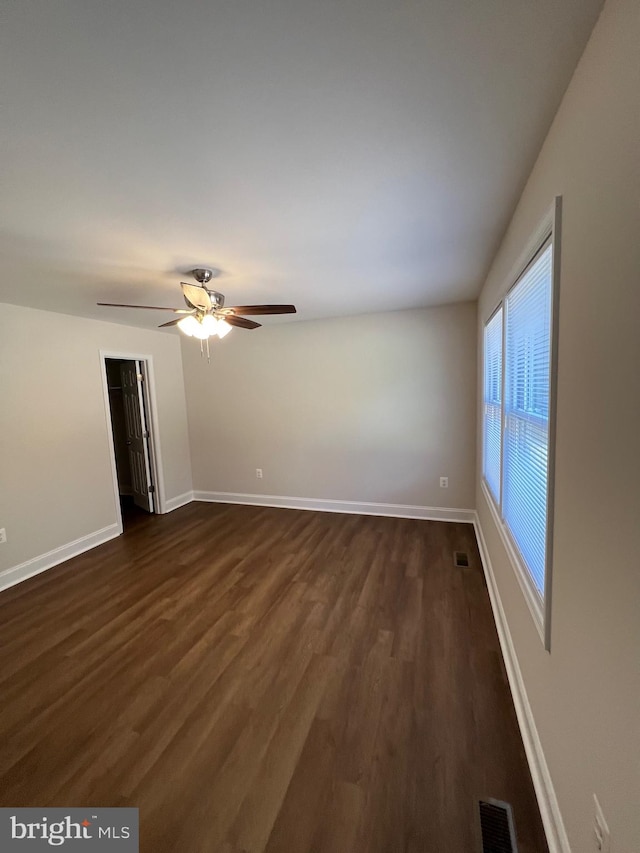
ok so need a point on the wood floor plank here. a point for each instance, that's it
(258, 680)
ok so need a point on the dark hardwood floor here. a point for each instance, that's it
(258, 679)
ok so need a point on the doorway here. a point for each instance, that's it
(131, 438)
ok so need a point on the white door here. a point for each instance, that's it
(132, 376)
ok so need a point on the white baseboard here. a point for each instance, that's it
(557, 839)
(425, 513)
(177, 502)
(16, 574)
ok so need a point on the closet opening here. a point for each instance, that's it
(132, 439)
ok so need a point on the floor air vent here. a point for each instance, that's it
(460, 559)
(496, 825)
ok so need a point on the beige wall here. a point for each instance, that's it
(368, 408)
(585, 695)
(56, 481)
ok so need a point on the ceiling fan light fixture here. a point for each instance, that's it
(223, 328)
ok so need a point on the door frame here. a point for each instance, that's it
(155, 453)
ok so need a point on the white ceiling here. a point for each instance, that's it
(345, 155)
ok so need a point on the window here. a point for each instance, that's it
(517, 420)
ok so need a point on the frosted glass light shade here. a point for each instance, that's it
(189, 325)
(209, 324)
(223, 328)
(200, 332)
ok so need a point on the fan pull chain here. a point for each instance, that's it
(201, 349)
(208, 354)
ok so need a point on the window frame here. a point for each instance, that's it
(547, 232)
(499, 308)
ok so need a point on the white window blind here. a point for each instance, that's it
(526, 413)
(492, 427)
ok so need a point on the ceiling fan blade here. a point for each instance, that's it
(148, 307)
(242, 322)
(171, 323)
(263, 309)
(196, 295)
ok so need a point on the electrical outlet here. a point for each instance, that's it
(3, 535)
(601, 834)
(259, 473)
(444, 482)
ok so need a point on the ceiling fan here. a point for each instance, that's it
(206, 314)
